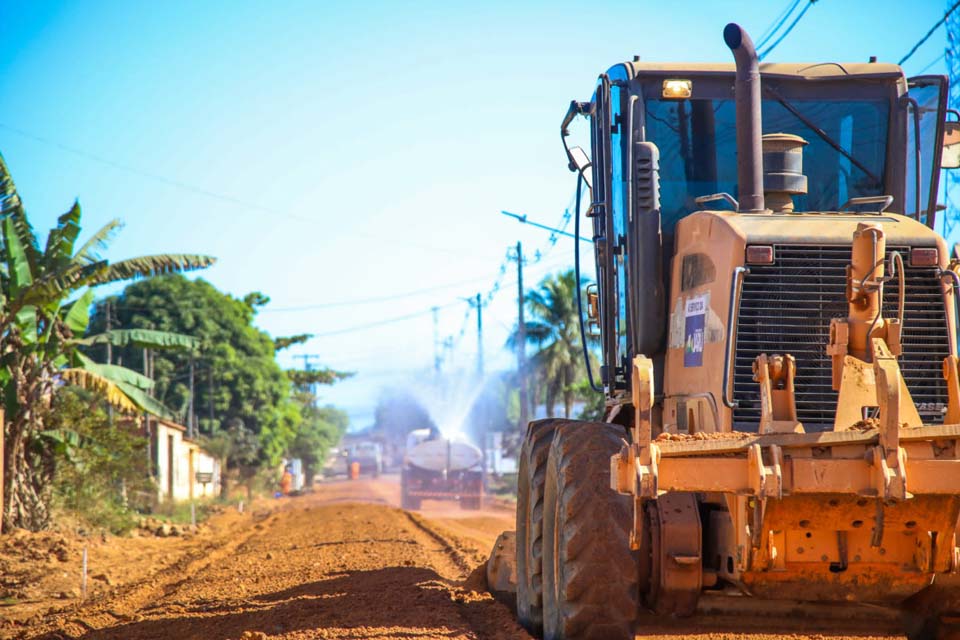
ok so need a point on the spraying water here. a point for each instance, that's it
(449, 402)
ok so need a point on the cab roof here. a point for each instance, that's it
(801, 70)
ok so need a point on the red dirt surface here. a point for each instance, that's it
(343, 562)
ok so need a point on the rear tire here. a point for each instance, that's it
(590, 589)
(531, 476)
(940, 626)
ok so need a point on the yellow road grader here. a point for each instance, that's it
(778, 323)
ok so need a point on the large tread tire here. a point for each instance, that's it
(590, 589)
(531, 477)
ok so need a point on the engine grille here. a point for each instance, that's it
(786, 307)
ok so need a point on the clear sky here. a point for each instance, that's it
(334, 154)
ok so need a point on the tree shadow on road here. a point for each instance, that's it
(394, 602)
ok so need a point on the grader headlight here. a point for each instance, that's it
(677, 89)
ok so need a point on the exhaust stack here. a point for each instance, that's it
(749, 152)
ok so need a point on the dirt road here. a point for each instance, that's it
(341, 563)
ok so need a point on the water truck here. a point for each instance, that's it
(440, 467)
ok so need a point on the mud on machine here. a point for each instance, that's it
(778, 326)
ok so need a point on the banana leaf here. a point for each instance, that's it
(146, 266)
(77, 313)
(87, 254)
(111, 392)
(21, 275)
(114, 373)
(145, 402)
(60, 241)
(146, 338)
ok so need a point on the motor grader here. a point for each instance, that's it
(778, 324)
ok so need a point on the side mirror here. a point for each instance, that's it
(580, 162)
(951, 145)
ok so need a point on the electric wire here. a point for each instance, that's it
(225, 198)
(778, 22)
(380, 323)
(929, 33)
(773, 46)
(931, 63)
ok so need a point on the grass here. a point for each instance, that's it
(179, 512)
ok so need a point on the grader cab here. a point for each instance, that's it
(778, 322)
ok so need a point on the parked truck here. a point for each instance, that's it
(366, 457)
(778, 325)
(438, 467)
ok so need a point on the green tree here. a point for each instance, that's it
(555, 331)
(237, 382)
(320, 429)
(99, 474)
(44, 306)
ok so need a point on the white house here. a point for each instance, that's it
(184, 471)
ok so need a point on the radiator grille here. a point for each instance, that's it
(786, 307)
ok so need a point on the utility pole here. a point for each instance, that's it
(521, 343)
(307, 366)
(479, 337)
(190, 430)
(146, 416)
(210, 394)
(436, 341)
(109, 326)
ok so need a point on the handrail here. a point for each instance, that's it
(956, 305)
(713, 197)
(886, 201)
(733, 318)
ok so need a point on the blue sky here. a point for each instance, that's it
(333, 153)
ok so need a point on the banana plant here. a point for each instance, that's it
(45, 298)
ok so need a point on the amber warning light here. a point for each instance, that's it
(759, 254)
(677, 89)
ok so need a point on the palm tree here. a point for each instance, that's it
(45, 297)
(555, 331)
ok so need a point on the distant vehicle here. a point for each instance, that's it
(335, 464)
(440, 468)
(369, 455)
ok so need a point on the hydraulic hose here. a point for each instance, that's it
(576, 269)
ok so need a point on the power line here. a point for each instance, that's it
(931, 63)
(787, 32)
(935, 26)
(778, 22)
(364, 301)
(222, 197)
(380, 323)
(523, 218)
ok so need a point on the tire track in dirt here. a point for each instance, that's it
(142, 595)
(315, 567)
(446, 542)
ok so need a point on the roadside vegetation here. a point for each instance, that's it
(75, 384)
(557, 373)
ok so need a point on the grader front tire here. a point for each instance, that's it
(590, 589)
(530, 482)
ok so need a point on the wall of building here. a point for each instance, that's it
(178, 461)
